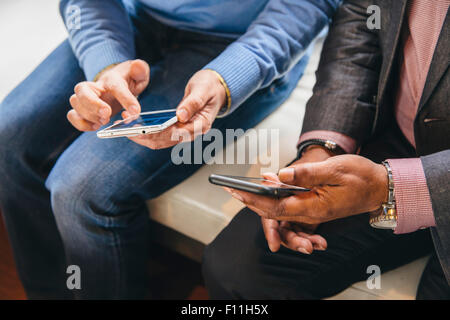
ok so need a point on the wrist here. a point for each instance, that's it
(317, 149)
(312, 154)
(330, 146)
(103, 71)
(226, 96)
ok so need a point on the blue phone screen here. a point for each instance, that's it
(145, 120)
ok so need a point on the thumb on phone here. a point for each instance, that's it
(194, 101)
(307, 174)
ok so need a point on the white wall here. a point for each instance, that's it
(29, 31)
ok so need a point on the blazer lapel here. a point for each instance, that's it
(439, 63)
(397, 16)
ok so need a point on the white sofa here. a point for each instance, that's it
(199, 210)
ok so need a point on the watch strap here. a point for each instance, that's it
(386, 216)
(330, 145)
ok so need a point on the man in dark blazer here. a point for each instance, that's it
(384, 95)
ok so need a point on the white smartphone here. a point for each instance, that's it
(143, 123)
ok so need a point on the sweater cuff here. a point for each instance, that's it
(412, 198)
(239, 69)
(103, 55)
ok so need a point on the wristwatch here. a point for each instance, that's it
(386, 216)
(328, 144)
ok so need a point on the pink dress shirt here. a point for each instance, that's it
(414, 209)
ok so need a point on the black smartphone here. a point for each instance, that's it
(259, 186)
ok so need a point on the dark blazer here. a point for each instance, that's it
(355, 91)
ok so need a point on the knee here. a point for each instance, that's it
(6, 158)
(67, 196)
(83, 193)
(230, 261)
(213, 268)
(239, 265)
(218, 274)
(4, 147)
(232, 274)
(249, 275)
(4, 133)
(12, 146)
(14, 136)
(76, 197)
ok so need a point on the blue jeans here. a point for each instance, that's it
(69, 198)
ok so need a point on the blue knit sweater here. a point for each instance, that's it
(271, 35)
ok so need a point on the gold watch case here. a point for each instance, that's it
(384, 218)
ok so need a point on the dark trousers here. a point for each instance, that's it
(239, 265)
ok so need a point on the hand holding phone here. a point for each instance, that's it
(95, 102)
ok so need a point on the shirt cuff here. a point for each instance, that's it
(347, 143)
(412, 198)
(103, 55)
(240, 71)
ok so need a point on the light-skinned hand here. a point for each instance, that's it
(204, 96)
(94, 103)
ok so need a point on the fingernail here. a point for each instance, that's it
(287, 174)
(303, 250)
(104, 113)
(237, 196)
(134, 109)
(96, 126)
(320, 248)
(269, 175)
(182, 115)
(228, 190)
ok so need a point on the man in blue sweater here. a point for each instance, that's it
(69, 198)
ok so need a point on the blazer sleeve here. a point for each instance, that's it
(437, 173)
(347, 78)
